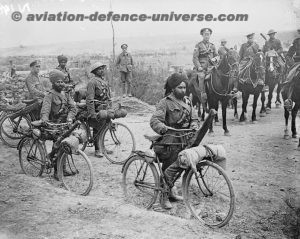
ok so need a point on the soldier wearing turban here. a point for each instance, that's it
(62, 62)
(175, 111)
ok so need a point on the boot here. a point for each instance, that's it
(66, 173)
(165, 203)
(98, 154)
(173, 196)
(129, 90)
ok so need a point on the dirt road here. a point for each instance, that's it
(263, 167)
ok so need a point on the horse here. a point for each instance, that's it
(291, 94)
(251, 81)
(219, 85)
(274, 76)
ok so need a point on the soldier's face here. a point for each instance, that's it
(58, 85)
(101, 71)
(272, 36)
(36, 69)
(63, 64)
(206, 36)
(180, 90)
(223, 43)
(251, 39)
(124, 48)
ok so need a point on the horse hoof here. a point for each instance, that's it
(217, 123)
(254, 121)
(268, 110)
(286, 136)
(294, 136)
(262, 114)
(278, 105)
(227, 133)
(211, 133)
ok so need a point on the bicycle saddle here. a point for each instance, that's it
(27, 102)
(152, 138)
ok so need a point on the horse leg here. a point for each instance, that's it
(294, 114)
(224, 111)
(236, 115)
(270, 96)
(216, 108)
(263, 109)
(256, 94)
(286, 130)
(278, 101)
(245, 97)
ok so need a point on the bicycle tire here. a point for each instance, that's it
(117, 152)
(31, 160)
(132, 182)
(209, 206)
(81, 183)
(7, 135)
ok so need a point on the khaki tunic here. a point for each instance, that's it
(97, 89)
(124, 62)
(58, 107)
(273, 44)
(34, 86)
(248, 50)
(173, 113)
(203, 52)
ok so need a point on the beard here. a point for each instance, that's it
(58, 88)
(178, 95)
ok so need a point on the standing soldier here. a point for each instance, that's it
(222, 51)
(97, 89)
(125, 64)
(33, 83)
(204, 55)
(248, 49)
(62, 62)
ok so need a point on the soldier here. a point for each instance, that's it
(97, 89)
(12, 69)
(176, 111)
(248, 49)
(58, 107)
(272, 43)
(62, 62)
(125, 64)
(222, 51)
(33, 83)
(293, 53)
(204, 54)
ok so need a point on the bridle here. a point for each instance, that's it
(232, 73)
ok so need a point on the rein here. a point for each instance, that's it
(228, 74)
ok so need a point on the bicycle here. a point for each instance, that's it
(34, 159)
(208, 192)
(15, 120)
(115, 139)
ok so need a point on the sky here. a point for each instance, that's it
(263, 15)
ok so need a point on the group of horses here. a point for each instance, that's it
(226, 76)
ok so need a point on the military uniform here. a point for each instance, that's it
(294, 50)
(273, 44)
(67, 79)
(176, 114)
(125, 64)
(34, 86)
(58, 107)
(222, 51)
(248, 51)
(97, 89)
(202, 53)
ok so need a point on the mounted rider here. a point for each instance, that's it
(275, 45)
(247, 53)
(204, 57)
(176, 111)
(223, 49)
(293, 57)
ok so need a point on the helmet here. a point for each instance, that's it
(96, 65)
(271, 32)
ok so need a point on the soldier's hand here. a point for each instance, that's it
(200, 68)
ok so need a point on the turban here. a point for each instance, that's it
(56, 75)
(173, 81)
(61, 58)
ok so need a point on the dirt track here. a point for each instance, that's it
(263, 167)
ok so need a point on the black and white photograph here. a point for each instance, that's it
(158, 119)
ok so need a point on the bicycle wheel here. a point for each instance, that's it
(117, 143)
(82, 178)
(9, 128)
(140, 182)
(209, 195)
(32, 157)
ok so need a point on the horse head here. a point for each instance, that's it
(258, 65)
